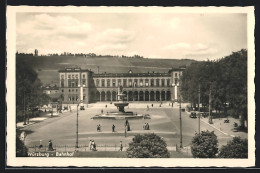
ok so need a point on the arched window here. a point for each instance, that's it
(163, 82)
(152, 82)
(146, 82)
(141, 82)
(108, 82)
(130, 82)
(62, 83)
(97, 83)
(168, 82)
(103, 83)
(157, 82)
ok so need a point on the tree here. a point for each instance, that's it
(29, 92)
(204, 145)
(21, 150)
(148, 146)
(236, 148)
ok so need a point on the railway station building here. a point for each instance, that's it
(78, 84)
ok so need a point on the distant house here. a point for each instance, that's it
(52, 91)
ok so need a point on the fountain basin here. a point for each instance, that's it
(120, 115)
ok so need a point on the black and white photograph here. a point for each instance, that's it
(130, 86)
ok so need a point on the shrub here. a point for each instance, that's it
(21, 150)
(204, 145)
(236, 148)
(148, 146)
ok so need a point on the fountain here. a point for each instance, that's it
(121, 113)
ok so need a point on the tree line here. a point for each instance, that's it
(222, 84)
(93, 55)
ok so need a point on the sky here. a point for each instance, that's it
(151, 35)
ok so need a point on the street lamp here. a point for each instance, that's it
(77, 121)
(199, 110)
(180, 121)
(176, 85)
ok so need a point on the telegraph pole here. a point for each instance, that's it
(199, 111)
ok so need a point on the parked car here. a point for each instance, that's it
(193, 115)
(82, 108)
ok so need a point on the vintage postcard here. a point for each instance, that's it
(130, 86)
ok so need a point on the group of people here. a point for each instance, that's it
(99, 128)
(146, 126)
(92, 145)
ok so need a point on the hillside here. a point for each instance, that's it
(47, 66)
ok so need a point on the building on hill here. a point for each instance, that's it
(81, 84)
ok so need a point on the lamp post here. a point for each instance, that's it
(77, 121)
(210, 118)
(77, 127)
(199, 110)
(51, 109)
(180, 121)
(176, 85)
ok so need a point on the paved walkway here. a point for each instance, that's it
(226, 128)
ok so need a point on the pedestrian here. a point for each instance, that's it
(121, 146)
(101, 111)
(90, 144)
(94, 146)
(152, 105)
(147, 107)
(50, 148)
(113, 128)
(40, 146)
(144, 126)
(106, 106)
(126, 122)
(99, 127)
(172, 104)
(147, 127)
(169, 104)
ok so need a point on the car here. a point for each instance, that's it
(82, 108)
(193, 115)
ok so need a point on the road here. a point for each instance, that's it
(164, 121)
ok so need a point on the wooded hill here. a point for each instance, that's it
(47, 66)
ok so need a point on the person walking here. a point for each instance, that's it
(94, 146)
(50, 148)
(113, 128)
(101, 111)
(121, 146)
(90, 144)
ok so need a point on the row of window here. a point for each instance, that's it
(72, 90)
(72, 76)
(133, 83)
(73, 83)
(74, 98)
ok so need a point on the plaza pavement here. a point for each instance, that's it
(164, 122)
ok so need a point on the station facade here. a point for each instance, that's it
(78, 84)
